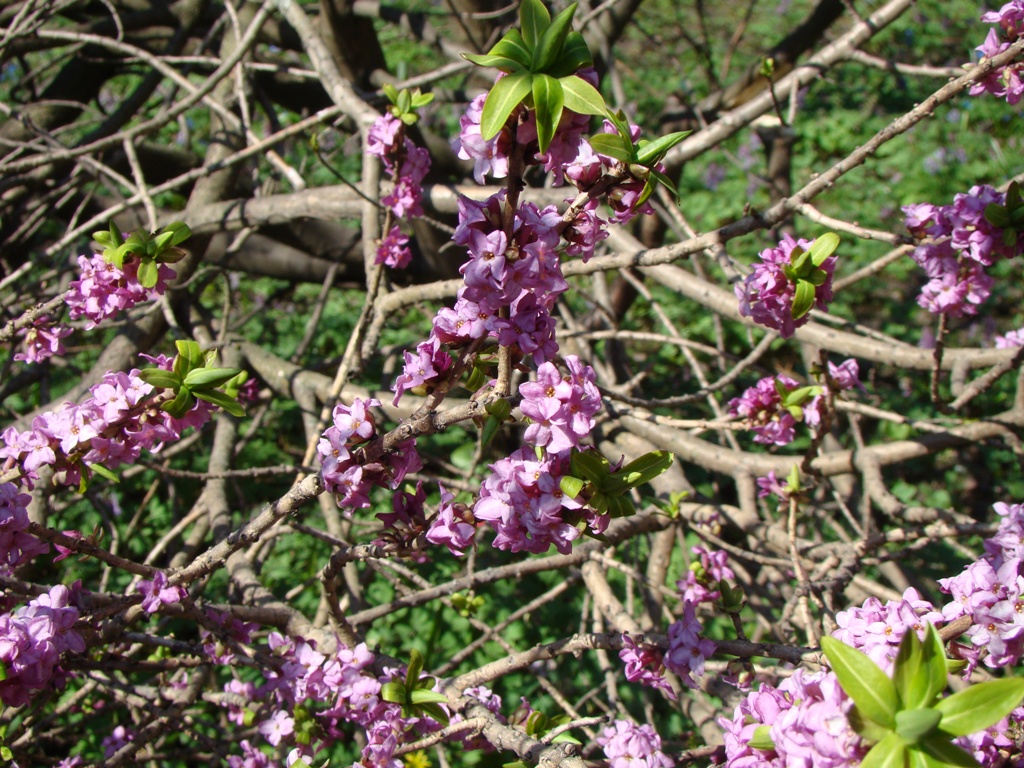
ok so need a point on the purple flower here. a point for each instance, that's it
(489, 156)
(628, 745)
(767, 294)
(156, 592)
(450, 527)
(876, 628)
(42, 341)
(700, 585)
(762, 406)
(686, 649)
(645, 664)
(393, 250)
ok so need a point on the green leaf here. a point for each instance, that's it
(225, 402)
(550, 43)
(864, 682)
(3, 672)
(393, 691)
(1013, 199)
(620, 506)
(803, 300)
(149, 273)
(976, 708)
(666, 182)
(591, 465)
(565, 737)
(512, 46)
(890, 752)
(644, 193)
(547, 101)
(761, 738)
(575, 55)
(920, 669)
(414, 669)
(190, 353)
(646, 468)
(490, 429)
(422, 696)
(182, 404)
(181, 232)
(798, 260)
(501, 408)
(571, 486)
(160, 378)
(612, 145)
(534, 19)
(823, 247)
(503, 63)
(391, 92)
(6, 753)
(434, 711)
(204, 378)
(404, 100)
(997, 215)
(507, 94)
(946, 753)
(583, 98)
(653, 152)
(621, 123)
(912, 725)
(422, 99)
(162, 242)
(102, 471)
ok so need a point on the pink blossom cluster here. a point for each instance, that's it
(700, 584)
(492, 156)
(16, 545)
(991, 592)
(807, 719)
(103, 290)
(1005, 82)
(342, 474)
(32, 640)
(1011, 339)
(624, 197)
(773, 423)
(408, 165)
(156, 592)
(687, 650)
(338, 689)
(877, 629)
(761, 405)
(767, 294)
(645, 664)
(522, 498)
(561, 409)
(111, 427)
(42, 341)
(628, 745)
(523, 502)
(960, 243)
(408, 521)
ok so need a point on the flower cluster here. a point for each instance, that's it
(310, 696)
(628, 745)
(342, 474)
(877, 629)
(156, 592)
(16, 546)
(645, 664)
(687, 650)
(775, 404)
(1005, 82)
(492, 156)
(110, 428)
(700, 584)
(961, 243)
(767, 293)
(42, 341)
(807, 720)
(522, 498)
(762, 406)
(408, 165)
(991, 592)
(561, 410)
(32, 640)
(523, 502)
(103, 290)
(450, 527)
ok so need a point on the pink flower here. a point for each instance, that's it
(156, 592)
